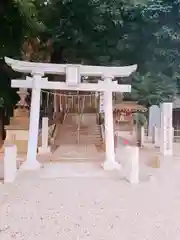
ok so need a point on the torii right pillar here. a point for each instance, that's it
(110, 162)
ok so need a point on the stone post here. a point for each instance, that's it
(173, 134)
(10, 167)
(110, 162)
(115, 141)
(166, 130)
(154, 119)
(156, 136)
(45, 136)
(31, 162)
(134, 134)
(142, 133)
(153, 133)
(23, 93)
(133, 153)
(55, 105)
(101, 102)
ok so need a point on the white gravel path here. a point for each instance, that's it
(67, 205)
(92, 208)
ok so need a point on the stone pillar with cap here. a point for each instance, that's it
(17, 130)
(166, 130)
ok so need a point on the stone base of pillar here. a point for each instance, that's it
(44, 150)
(111, 165)
(30, 166)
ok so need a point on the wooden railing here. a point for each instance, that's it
(102, 128)
(53, 126)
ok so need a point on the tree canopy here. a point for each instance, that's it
(19, 20)
(103, 32)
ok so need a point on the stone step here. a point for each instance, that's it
(63, 126)
(74, 143)
(76, 138)
(19, 121)
(81, 129)
(76, 135)
(68, 133)
(64, 131)
(101, 147)
(78, 151)
(65, 134)
(85, 140)
(76, 127)
(98, 139)
(60, 135)
(83, 133)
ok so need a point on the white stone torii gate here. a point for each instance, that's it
(73, 77)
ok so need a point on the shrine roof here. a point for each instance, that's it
(129, 106)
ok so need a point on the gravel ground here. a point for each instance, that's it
(99, 206)
(92, 208)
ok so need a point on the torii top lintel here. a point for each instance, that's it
(84, 70)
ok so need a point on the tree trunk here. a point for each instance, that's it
(57, 55)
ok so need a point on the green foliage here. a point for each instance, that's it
(139, 119)
(162, 17)
(11, 37)
(118, 33)
(87, 31)
(28, 10)
(152, 89)
(103, 32)
(1, 102)
(157, 82)
(18, 19)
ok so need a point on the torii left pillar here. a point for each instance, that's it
(31, 162)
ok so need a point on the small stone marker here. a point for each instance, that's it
(173, 134)
(142, 136)
(156, 162)
(153, 133)
(166, 130)
(154, 118)
(10, 167)
(156, 137)
(134, 164)
(45, 136)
